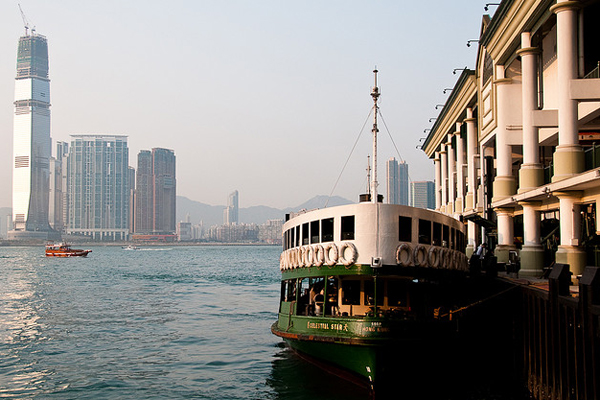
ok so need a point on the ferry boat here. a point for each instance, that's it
(64, 250)
(363, 284)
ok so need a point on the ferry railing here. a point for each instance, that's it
(561, 336)
(593, 74)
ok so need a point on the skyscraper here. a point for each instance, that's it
(98, 181)
(31, 140)
(231, 213)
(403, 183)
(393, 195)
(155, 193)
(57, 210)
(423, 194)
(165, 190)
(397, 182)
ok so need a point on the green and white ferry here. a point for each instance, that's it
(363, 283)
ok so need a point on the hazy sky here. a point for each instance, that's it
(263, 97)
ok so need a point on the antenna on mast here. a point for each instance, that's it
(25, 22)
(375, 95)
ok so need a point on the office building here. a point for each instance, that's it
(31, 140)
(98, 187)
(422, 194)
(397, 182)
(231, 213)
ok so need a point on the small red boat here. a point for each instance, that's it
(64, 250)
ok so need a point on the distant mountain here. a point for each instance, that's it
(213, 215)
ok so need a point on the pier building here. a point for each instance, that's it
(516, 147)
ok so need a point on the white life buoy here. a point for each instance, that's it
(281, 262)
(420, 256)
(331, 259)
(319, 257)
(401, 260)
(433, 256)
(294, 258)
(353, 253)
(301, 256)
(309, 256)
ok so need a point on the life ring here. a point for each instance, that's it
(403, 248)
(353, 253)
(319, 257)
(329, 258)
(301, 253)
(294, 258)
(281, 262)
(433, 256)
(309, 256)
(420, 256)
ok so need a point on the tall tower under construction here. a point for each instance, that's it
(31, 141)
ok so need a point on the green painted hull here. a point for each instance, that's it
(368, 348)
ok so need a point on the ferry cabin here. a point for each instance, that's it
(334, 264)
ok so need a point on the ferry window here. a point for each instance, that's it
(397, 293)
(446, 237)
(405, 229)
(424, 231)
(314, 232)
(292, 237)
(351, 292)
(437, 234)
(305, 233)
(453, 239)
(297, 236)
(348, 228)
(331, 307)
(291, 291)
(327, 230)
(369, 293)
(461, 241)
(303, 302)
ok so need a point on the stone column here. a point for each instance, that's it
(471, 167)
(504, 184)
(532, 253)
(569, 251)
(438, 183)
(451, 171)
(460, 178)
(568, 157)
(531, 174)
(506, 233)
(444, 167)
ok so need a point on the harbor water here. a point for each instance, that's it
(156, 323)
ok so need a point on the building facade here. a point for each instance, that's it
(231, 212)
(397, 182)
(514, 146)
(155, 193)
(31, 139)
(57, 209)
(422, 194)
(98, 187)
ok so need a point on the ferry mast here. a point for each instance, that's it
(374, 183)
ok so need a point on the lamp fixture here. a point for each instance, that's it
(458, 69)
(447, 90)
(432, 119)
(439, 105)
(486, 7)
(425, 130)
(471, 41)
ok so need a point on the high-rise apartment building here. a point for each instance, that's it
(423, 194)
(397, 182)
(155, 193)
(98, 187)
(57, 209)
(231, 213)
(31, 140)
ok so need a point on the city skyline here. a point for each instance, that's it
(253, 102)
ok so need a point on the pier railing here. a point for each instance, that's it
(561, 337)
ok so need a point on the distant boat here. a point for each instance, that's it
(130, 247)
(64, 250)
